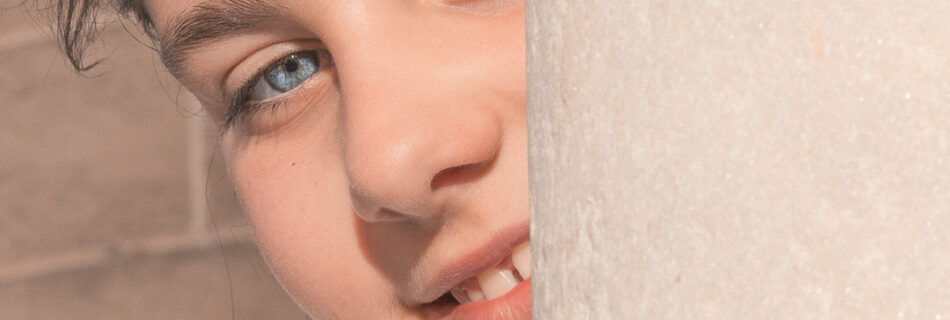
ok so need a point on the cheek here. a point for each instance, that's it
(498, 62)
(295, 195)
(514, 49)
(289, 181)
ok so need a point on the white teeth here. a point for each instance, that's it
(475, 295)
(521, 258)
(496, 282)
(467, 295)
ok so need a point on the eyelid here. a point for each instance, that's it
(261, 116)
(241, 109)
(256, 63)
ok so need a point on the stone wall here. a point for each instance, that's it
(740, 159)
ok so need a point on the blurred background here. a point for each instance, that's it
(113, 201)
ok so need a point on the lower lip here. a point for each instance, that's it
(514, 305)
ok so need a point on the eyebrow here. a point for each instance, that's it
(212, 21)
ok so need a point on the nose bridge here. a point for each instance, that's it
(407, 124)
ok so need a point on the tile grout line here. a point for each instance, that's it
(19, 39)
(104, 255)
(198, 223)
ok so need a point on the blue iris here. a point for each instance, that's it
(292, 70)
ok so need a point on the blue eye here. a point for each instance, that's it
(285, 75)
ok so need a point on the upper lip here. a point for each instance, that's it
(470, 264)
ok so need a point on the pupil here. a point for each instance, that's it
(291, 66)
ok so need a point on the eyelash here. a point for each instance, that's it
(241, 107)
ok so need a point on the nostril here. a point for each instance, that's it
(385, 214)
(381, 215)
(460, 174)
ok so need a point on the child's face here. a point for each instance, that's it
(382, 156)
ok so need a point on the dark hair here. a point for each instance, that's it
(78, 25)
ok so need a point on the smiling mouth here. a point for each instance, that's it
(498, 280)
(490, 280)
(491, 284)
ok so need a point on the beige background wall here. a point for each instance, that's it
(740, 159)
(102, 192)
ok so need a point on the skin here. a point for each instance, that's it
(404, 154)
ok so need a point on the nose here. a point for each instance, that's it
(404, 159)
(414, 133)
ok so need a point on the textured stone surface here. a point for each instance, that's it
(740, 159)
